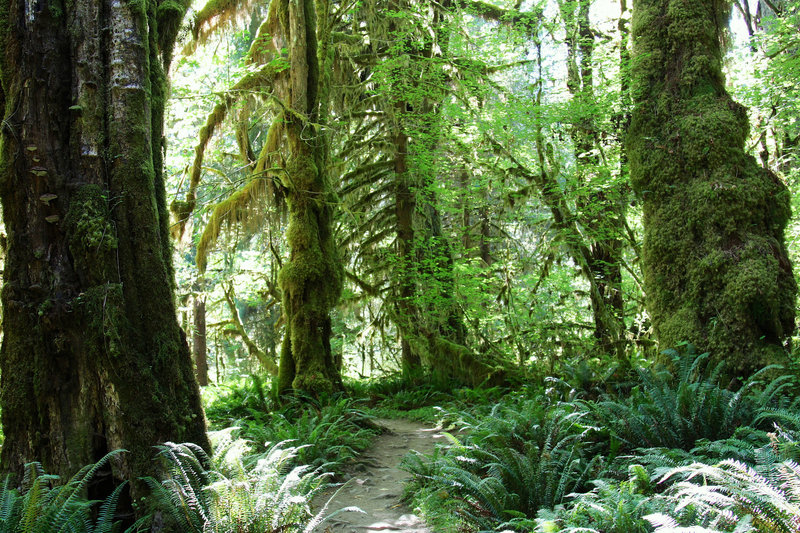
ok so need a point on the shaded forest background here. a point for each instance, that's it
(482, 201)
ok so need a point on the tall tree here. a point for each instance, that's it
(292, 62)
(311, 280)
(714, 260)
(93, 358)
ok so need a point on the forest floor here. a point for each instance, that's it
(375, 483)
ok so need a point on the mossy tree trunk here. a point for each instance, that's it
(93, 358)
(311, 281)
(714, 260)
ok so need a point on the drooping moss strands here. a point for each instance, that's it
(169, 16)
(714, 259)
(214, 15)
(259, 80)
(245, 207)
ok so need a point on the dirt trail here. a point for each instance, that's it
(376, 483)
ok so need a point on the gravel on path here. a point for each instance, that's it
(375, 483)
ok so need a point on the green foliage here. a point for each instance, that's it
(612, 507)
(675, 407)
(242, 399)
(328, 432)
(426, 401)
(42, 505)
(224, 493)
(522, 457)
(548, 460)
(397, 397)
(332, 432)
(734, 496)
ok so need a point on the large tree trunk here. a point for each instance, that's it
(714, 260)
(93, 358)
(311, 281)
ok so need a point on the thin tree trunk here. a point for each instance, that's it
(199, 344)
(600, 213)
(405, 204)
(253, 350)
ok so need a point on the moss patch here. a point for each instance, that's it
(714, 260)
(91, 236)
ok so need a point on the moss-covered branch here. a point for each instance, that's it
(216, 14)
(258, 80)
(238, 329)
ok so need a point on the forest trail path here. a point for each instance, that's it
(375, 483)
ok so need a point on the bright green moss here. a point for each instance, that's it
(103, 310)
(714, 261)
(90, 234)
(311, 282)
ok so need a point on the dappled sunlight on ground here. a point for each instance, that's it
(376, 484)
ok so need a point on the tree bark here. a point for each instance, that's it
(93, 358)
(311, 281)
(199, 344)
(715, 266)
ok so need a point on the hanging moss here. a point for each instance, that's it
(244, 207)
(216, 14)
(714, 259)
(259, 79)
(169, 16)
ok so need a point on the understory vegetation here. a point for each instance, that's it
(268, 462)
(661, 448)
(671, 447)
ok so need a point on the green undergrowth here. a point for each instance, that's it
(428, 402)
(640, 456)
(328, 433)
(42, 504)
(238, 489)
